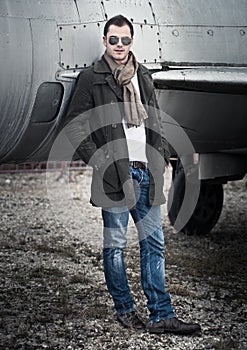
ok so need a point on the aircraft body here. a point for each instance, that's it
(196, 49)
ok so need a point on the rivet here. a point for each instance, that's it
(175, 32)
(242, 32)
(210, 32)
(55, 102)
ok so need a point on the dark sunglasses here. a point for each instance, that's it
(113, 40)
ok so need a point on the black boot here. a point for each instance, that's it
(173, 325)
(130, 320)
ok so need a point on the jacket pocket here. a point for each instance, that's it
(111, 180)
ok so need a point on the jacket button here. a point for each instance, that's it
(114, 125)
(159, 148)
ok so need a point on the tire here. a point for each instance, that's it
(207, 210)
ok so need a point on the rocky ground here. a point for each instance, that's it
(52, 291)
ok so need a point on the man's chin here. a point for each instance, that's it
(120, 59)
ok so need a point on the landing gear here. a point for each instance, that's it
(208, 207)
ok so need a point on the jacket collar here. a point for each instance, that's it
(101, 66)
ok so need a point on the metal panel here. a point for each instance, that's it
(90, 11)
(138, 11)
(212, 121)
(42, 119)
(200, 12)
(205, 45)
(76, 51)
(146, 44)
(80, 45)
(63, 11)
(44, 55)
(215, 165)
(45, 51)
(15, 79)
(199, 31)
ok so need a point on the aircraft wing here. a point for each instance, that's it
(228, 80)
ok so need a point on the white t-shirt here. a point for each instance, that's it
(136, 136)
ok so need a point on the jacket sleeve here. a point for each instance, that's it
(165, 144)
(78, 121)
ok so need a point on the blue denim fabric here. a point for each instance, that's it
(148, 222)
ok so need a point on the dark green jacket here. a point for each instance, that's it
(94, 127)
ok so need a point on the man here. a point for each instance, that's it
(122, 141)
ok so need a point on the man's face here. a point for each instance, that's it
(118, 51)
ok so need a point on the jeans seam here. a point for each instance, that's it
(149, 279)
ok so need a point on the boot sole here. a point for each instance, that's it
(162, 330)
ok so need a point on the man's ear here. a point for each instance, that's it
(104, 40)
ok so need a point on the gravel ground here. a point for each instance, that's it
(53, 294)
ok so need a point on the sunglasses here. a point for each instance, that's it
(113, 40)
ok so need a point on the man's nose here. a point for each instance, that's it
(119, 44)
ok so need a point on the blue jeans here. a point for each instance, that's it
(151, 240)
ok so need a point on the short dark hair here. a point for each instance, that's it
(119, 21)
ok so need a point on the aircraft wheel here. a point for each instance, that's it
(207, 210)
